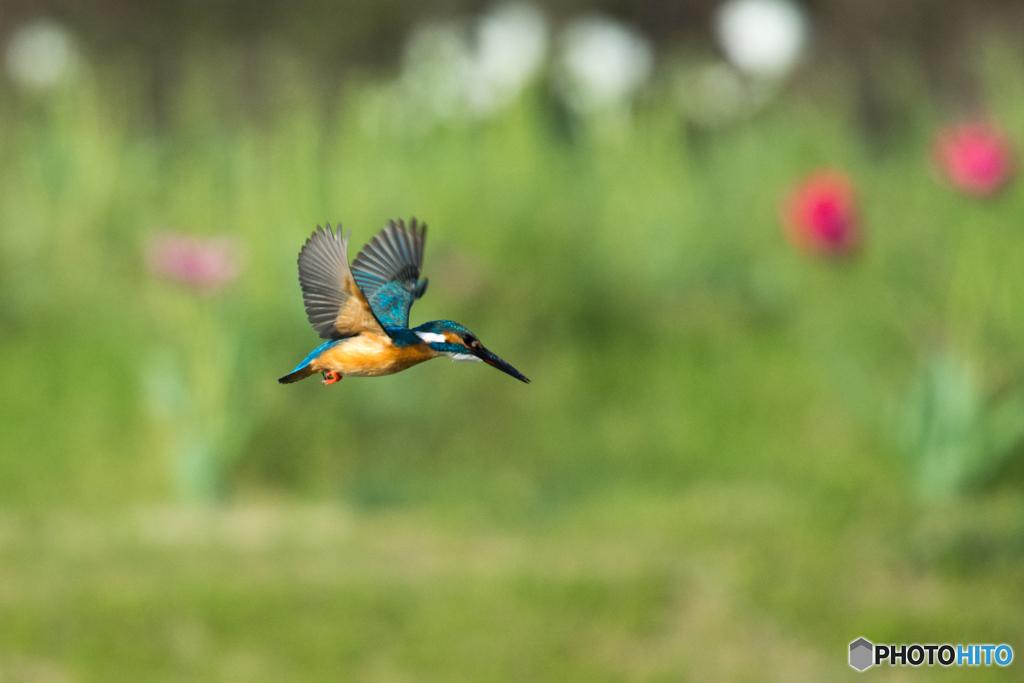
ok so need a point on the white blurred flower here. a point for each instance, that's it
(715, 94)
(511, 42)
(447, 76)
(763, 38)
(40, 54)
(438, 63)
(604, 63)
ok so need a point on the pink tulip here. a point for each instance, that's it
(205, 264)
(820, 215)
(977, 158)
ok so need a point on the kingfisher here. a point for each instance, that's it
(363, 310)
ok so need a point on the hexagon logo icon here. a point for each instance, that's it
(860, 654)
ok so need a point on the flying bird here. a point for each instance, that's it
(363, 310)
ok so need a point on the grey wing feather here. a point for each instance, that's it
(328, 289)
(387, 270)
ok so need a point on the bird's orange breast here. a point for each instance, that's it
(370, 355)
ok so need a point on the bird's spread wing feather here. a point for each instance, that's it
(388, 271)
(335, 306)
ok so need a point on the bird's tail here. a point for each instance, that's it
(297, 374)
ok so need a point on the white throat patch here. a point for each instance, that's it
(431, 337)
(463, 358)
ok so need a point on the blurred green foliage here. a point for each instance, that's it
(704, 466)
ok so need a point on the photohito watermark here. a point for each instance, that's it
(864, 654)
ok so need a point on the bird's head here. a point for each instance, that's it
(451, 339)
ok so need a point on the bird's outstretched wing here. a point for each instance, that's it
(335, 306)
(388, 271)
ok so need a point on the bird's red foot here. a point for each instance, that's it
(330, 377)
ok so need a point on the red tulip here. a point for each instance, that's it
(976, 157)
(205, 264)
(821, 215)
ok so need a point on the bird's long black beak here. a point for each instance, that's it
(492, 360)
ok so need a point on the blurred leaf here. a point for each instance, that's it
(954, 435)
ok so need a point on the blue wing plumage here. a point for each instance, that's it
(387, 271)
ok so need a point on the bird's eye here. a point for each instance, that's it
(471, 341)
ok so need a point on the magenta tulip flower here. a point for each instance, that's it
(976, 158)
(204, 264)
(820, 215)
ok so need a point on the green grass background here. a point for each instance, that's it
(703, 482)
